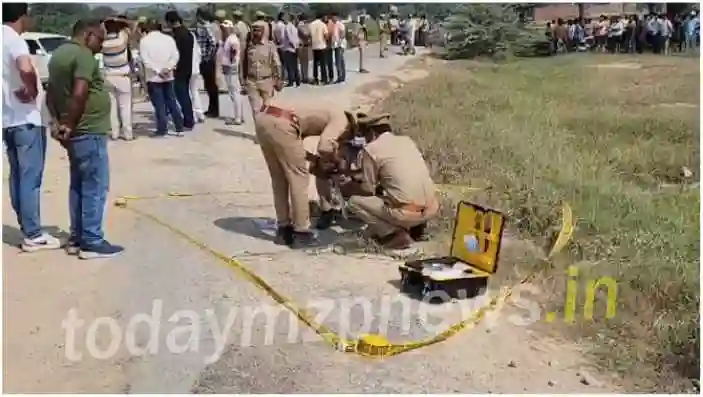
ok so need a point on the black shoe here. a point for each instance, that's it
(327, 219)
(284, 235)
(212, 115)
(418, 233)
(306, 239)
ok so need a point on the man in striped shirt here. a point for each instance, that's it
(117, 63)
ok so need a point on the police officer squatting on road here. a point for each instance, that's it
(394, 193)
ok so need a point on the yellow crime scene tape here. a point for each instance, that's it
(373, 346)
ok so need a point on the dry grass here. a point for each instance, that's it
(604, 139)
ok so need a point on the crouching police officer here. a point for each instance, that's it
(280, 129)
(394, 165)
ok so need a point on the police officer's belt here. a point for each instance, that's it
(284, 114)
(412, 207)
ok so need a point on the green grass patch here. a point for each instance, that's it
(608, 134)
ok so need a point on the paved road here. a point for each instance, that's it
(163, 276)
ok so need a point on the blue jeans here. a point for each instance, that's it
(26, 154)
(90, 180)
(339, 64)
(182, 90)
(163, 96)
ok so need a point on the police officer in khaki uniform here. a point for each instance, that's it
(241, 29)
(362, 39)
(261, 68)
(280, 129)
(384, 35)
(407, 197)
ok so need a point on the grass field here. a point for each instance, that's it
(610, 135)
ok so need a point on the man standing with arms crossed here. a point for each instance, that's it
(22, 130)
(80, 105)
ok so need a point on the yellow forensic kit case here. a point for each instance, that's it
(472, 259)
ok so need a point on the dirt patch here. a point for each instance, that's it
(679, 105)
(617, 66)
(367, 95)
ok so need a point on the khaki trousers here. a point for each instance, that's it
(285, 158)
(383, 44)
(119, 87)
(383, 220)
(362, 47)
(260, 93)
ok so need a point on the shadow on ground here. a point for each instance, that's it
(235, 134)
(13, 237)
(265, 229)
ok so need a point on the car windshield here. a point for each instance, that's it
(52, 43)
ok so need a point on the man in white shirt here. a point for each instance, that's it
(22, 130)
(195, 78)
(159, 55)
(615, 31)
(339, 45)
(229, 59)
(318, 39)
(290, 41)
(279, 28)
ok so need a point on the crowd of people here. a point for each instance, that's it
(627, 34)
(89, 100)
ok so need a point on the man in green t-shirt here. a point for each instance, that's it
(80, 111)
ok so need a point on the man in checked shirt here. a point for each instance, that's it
(208, 45)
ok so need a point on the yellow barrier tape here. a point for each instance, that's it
(373, 346)
(566, 231)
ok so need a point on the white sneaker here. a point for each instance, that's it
(43, 242)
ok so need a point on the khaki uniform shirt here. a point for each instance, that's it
(329, 124)
(395, 163)
(263, 62)
(241, 30)
(383, 27)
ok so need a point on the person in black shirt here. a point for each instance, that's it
(184, 68)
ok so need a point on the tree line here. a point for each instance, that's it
(60, 17)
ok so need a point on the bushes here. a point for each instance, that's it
(492, 30)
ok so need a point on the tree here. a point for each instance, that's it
(494, 30)
(103, 11)
(58, 17)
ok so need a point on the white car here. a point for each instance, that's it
(41, 46)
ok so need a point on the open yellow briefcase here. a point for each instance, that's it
(472, 259)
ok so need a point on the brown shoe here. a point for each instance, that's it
(398, 241)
